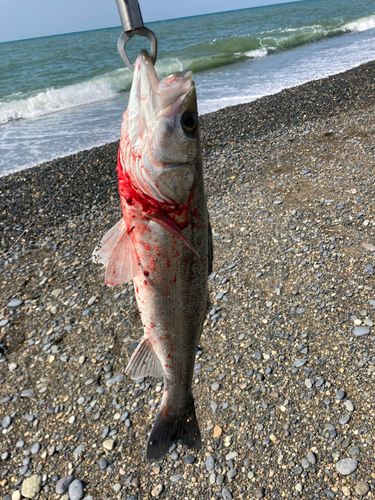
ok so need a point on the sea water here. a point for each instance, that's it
(67, 93)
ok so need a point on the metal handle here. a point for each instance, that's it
(132, 23)
(130, 14)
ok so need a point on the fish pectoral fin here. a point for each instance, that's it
(168, 428)
(116, 251)
(144, 362)
(165, 222)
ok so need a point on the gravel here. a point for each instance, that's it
(280, 367)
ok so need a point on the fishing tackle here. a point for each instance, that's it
(132, 23)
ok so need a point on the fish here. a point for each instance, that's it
(163, 243)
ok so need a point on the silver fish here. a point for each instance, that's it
(163, 242)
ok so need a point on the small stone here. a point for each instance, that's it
(213, 405)
(57, 292)
(359, 331)
(311, 457)
(226, 494)
(346, 491)
(78, 450)
(108, 444)
(116, 487)
(14, 303)
(217, 431)
(210, 463)
(16, 495)
(189, 459)
(361, 488)
(349, 405)
(53, 310)
(232, 473)
(299, 362)
(305, 463)
(299, 487)
(76, 490)
(31, 486)
(12, 367)
(340, 394)
(63, 484)
(354, 450)
(91, 300)
(157, 490)
(27, 393)
(308, 383)
(114, 380)
(215, 386)
(6, 422)
(103, 464)
(176, 478)
(346, 466)
(344, 420)
(231, 455)
(35, 448)
(135, 482)
(259, 492)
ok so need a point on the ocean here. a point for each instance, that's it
(63, 94)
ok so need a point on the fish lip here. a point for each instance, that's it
(171, 90)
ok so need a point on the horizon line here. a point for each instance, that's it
(150, 22)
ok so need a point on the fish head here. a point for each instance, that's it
(162, 126)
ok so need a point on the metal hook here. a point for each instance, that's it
(132, 23)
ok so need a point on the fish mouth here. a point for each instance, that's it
(170, 91)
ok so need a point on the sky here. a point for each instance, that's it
(21, 19)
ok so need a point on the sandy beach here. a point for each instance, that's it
(284, 378)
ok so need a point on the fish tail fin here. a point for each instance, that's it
(170, 428)
(116, 251)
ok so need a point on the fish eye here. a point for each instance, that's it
(189, 122)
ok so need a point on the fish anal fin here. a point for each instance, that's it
(116, 251)
(144, 362)
(170, 428)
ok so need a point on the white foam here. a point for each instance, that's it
(53, 100)
(363, 24)
(257, 53)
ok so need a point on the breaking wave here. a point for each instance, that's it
(197, 58)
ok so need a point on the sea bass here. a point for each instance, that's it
(163, 242)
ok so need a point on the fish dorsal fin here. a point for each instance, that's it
(116, 251)
(144, 362)
(164, 221)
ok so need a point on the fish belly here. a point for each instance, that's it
(171, 292)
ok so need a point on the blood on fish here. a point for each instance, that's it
(146, 273)
(152, 263)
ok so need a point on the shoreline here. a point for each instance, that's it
(284, 381)
(357, 74)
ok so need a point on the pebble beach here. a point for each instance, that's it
(284, 374)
